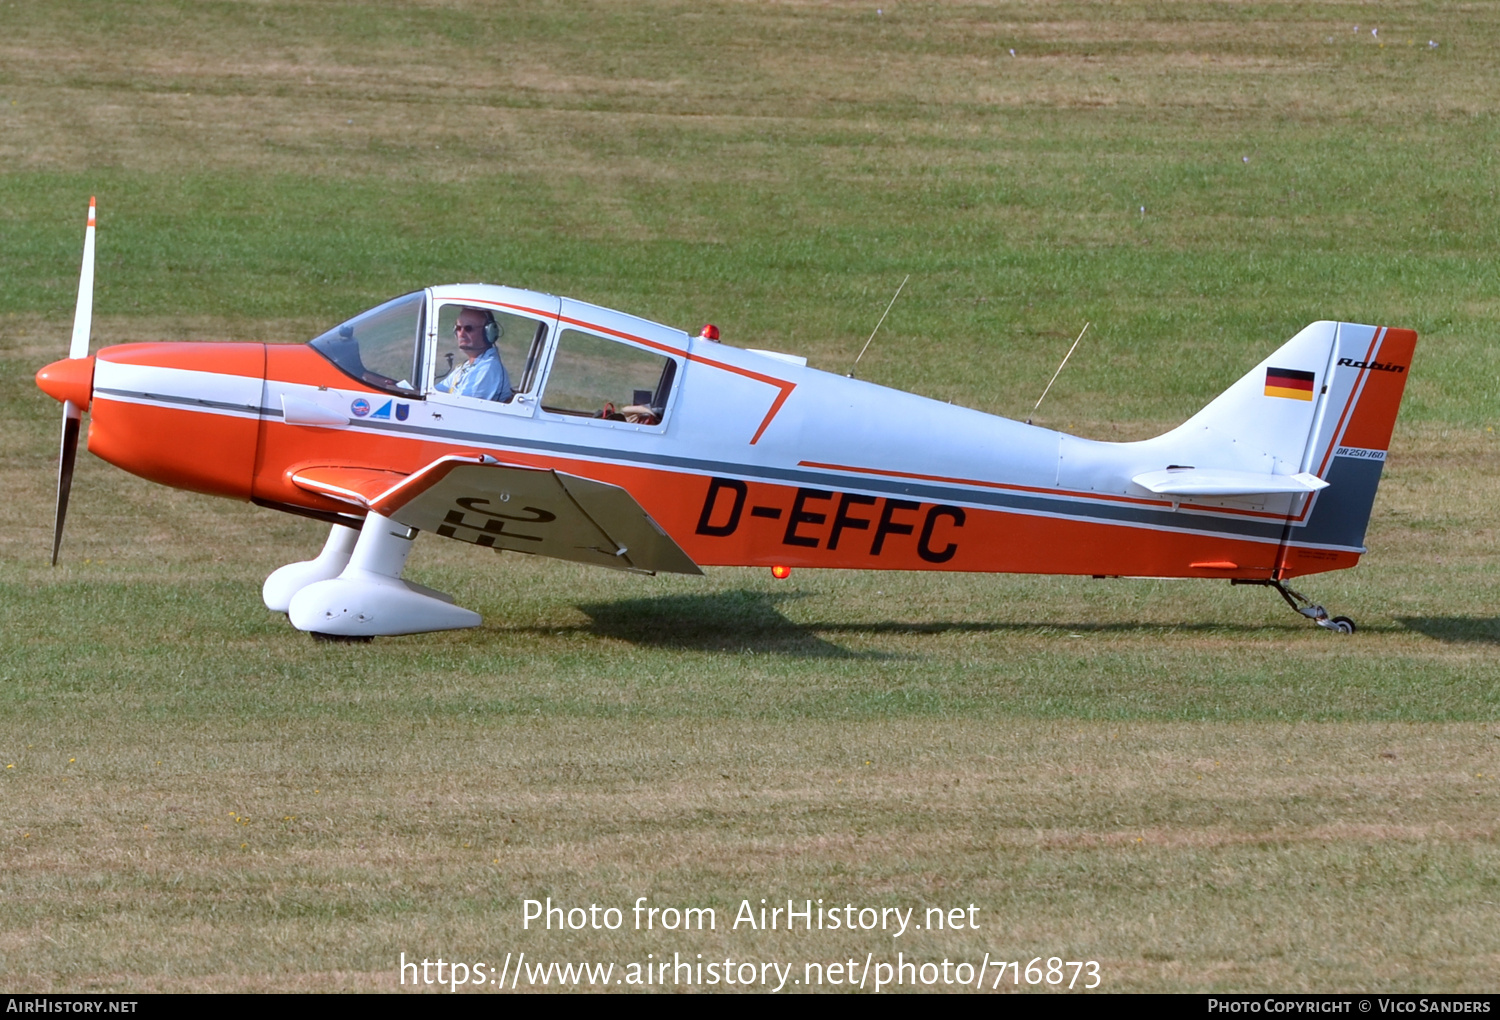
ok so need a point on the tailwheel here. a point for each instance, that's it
(1304, 606)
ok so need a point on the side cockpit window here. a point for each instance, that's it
(486, 352)
(594, 377)
(381, 347)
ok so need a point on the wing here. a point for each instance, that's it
(477, 499)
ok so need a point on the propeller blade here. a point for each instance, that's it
(83, 320)
(83, 314)
(71, 422)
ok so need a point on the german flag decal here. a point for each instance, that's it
(1289, 382)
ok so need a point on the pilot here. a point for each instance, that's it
(483, 375)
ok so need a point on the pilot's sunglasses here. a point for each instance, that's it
(463, 327)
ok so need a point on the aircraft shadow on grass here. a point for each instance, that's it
(722, 621)
(1484, 630)
(750, 621)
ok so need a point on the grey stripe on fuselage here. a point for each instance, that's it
(1081, 508)
(195, 402)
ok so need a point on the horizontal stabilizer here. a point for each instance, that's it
(1213, 482)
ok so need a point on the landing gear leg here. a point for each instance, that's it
(368, 597)
(292, 578)
(1314, 612)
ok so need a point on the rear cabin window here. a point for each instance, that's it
(597, 378)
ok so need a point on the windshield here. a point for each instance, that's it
(381, 347)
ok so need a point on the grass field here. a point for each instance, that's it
(1181, 781)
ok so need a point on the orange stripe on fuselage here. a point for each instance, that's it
(1042, 490)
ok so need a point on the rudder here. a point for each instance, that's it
(1350, 437)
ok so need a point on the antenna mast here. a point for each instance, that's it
(1043, 397)
(883, 314)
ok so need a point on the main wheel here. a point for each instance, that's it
(1343, 624)
(340, 639)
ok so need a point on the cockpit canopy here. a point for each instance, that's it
(381, 347)
(601, 365)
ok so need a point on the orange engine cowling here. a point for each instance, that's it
(182, 414)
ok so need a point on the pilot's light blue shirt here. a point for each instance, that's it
(484, 377)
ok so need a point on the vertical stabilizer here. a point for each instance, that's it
(1321, 407)
(1263, 423)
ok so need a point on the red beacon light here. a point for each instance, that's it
(781, 573)
(710, 332)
